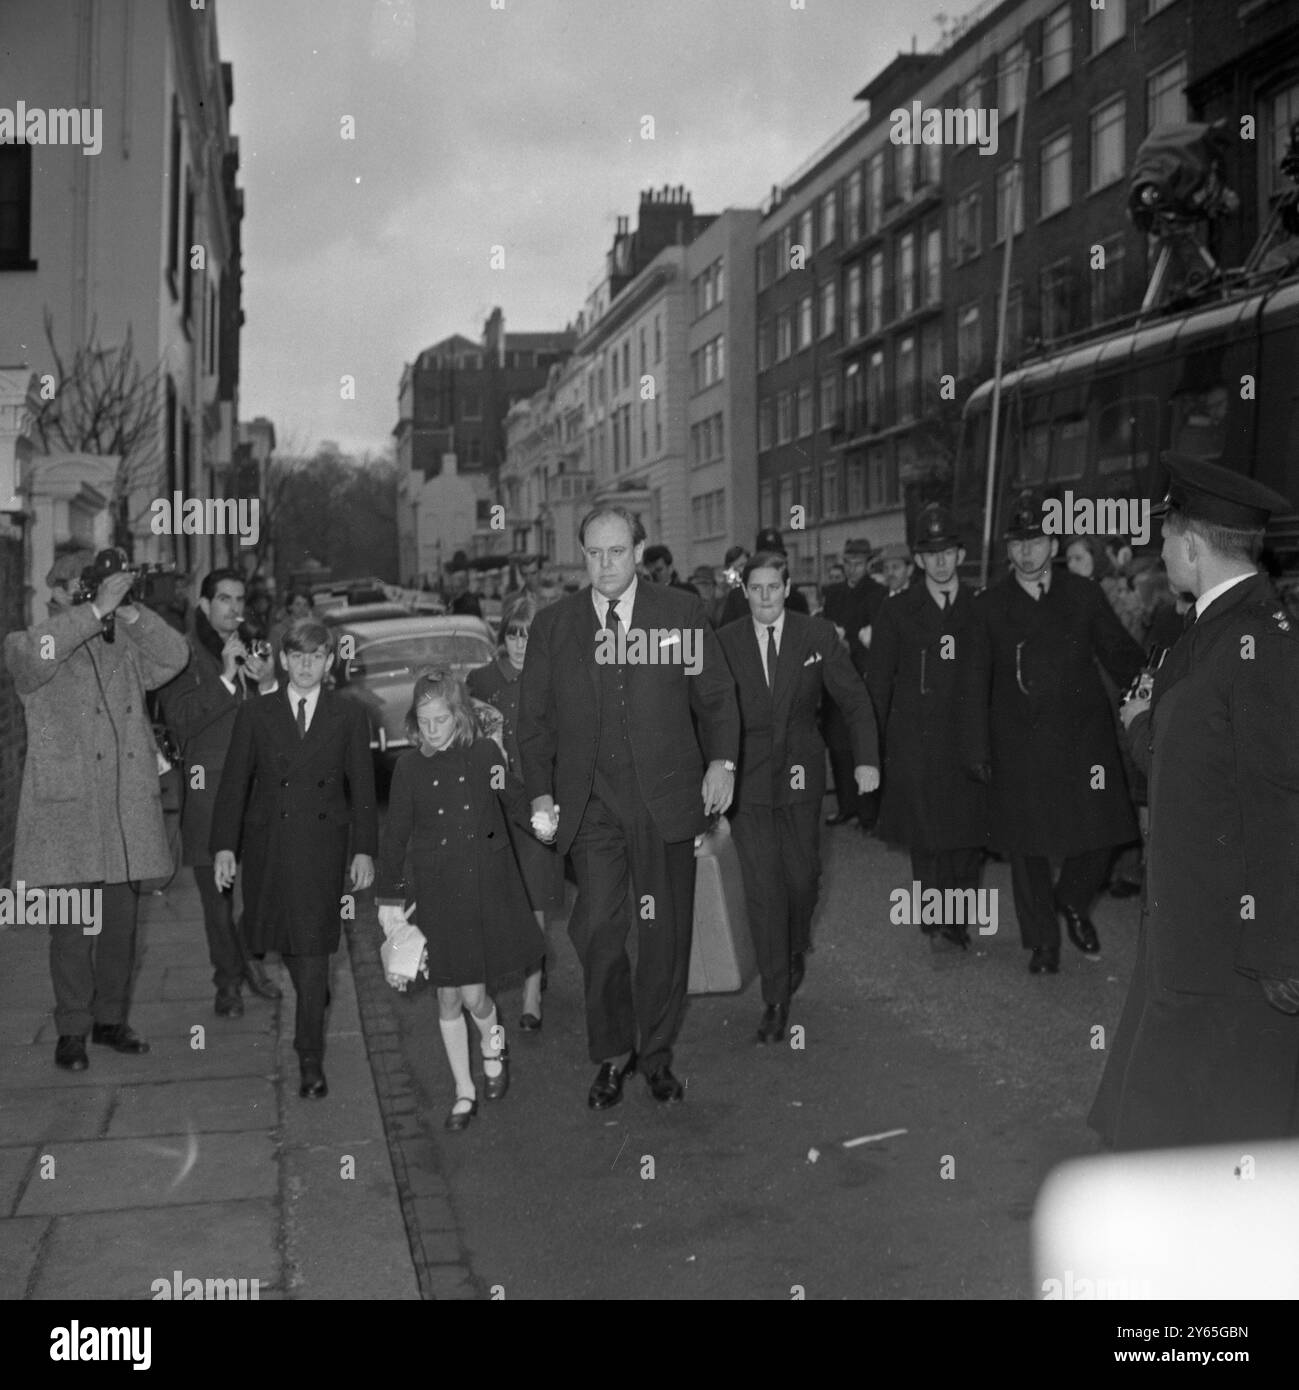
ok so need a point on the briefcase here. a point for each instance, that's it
(722, 958)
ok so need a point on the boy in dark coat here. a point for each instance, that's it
(304, 755)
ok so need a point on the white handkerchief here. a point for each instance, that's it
(813, 659)
(403, 952)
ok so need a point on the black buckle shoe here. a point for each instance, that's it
(70, 1052)
(606, 1089)
(495, 1087)
(119, 1037)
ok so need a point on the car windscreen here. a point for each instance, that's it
(395, 655)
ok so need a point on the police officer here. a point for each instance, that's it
(920, 647)
(1037, 725)
(1207, 1050)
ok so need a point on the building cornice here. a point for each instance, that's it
(634, 298)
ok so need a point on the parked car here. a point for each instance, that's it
(388, 655)
(364, 613)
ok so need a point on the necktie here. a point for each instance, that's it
(612, 618)
(1189, 618)
(1041, 589)
(772, 654)
(947, 601)
(302, 718)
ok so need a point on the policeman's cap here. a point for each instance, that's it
(1205, 491)
(769, 539)
(935, 530)
(1025, 520)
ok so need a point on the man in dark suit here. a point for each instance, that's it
(919, 650)
(852, 608)
(613, 767)
(658, 565)
(199, 708)
(1038, 727)
(304, 755)
(783, 664)
(1207, 1050)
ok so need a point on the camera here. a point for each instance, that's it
(114, 561)
(258, 647)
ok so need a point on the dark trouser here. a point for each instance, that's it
(1081, 877)
(621, 860)
(944, 869)
(780, 860)
(92, 974)
(225, 950)
(838, 739)
(310, 976)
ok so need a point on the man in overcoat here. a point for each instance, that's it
(1207, 1050)
(921, 647)
(1037, 724)
(199, 707)
(614, 768)
(298, 783)
(90, 808)
(784, 663)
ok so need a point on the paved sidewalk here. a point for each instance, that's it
(199, 1157)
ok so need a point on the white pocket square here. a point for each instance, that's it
(813, 659)
(671, 639)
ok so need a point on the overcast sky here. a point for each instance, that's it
(517, 127)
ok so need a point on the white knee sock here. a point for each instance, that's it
(491, 1043)
(455, 1038)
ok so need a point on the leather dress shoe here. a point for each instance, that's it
(70, 1052)
(839, 819)
(606, 1089)
(664, 1086)
(458, 1120)
(314, 1086)
(1045, 960)
(495, 1087)
(797, 969)
(119, 1037)
(530, 1023)
(228, 1003)
(1081, 932)
(772, 1027)
(259, 981)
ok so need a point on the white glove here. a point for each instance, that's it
(545, 826)
(393, 919)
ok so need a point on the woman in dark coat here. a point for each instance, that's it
(542, 867)
(447, 848)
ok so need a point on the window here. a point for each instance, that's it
(1056, 300)
(830, 489)
(764, 345)
(904, 172)
(766, 263)
(1109, 24)
(720, 359)
(1005, 178)
(874, 191)
(805, 489)
(932, 268)
(764, 425)
(852, 213)
(1057, 46)
(1106, 284)
(643, 358)
(16, 207)
(829, 290)
(471, 407)
(882, 478)
(855, 325)
(805, 410)
(931, 164)
(719, 281)
(781, 518)
(784, 337)
(875, 390)
(828, 205)
(971, 92)
(186, 274)
(766, 500)
(829, 400)
(875, 292)
(854, 418)
(905, 378)
(806, 228)
(719, 436)
(784, 418)
(626, 362)
(969, 340)
(806, 327)
(967, 233)
(475, 450)
(906, 274)
(1012, 68)
(1166, 95)
(658, 425)
(784, 243)
(644, 429)
(658, 339)
(931, 364)
(613, 373)
(855, 469)
(1282, 110)
(1108, 127)
(1014, 324)
(1056, 154)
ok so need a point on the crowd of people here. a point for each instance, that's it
(1032, 720)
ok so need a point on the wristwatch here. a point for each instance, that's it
(728, 764)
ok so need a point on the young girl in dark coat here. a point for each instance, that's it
(446, 847)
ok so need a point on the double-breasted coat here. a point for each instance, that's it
(90, 808)
(286, 808)
(1199, 1056)
(446, 848)
(918, 655)
(782, 754)
(1034, 709)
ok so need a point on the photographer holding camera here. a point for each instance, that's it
(90, 810)
(227, 666)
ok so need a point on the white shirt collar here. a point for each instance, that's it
(1218, 590)
(938, 594)
(311, 696)
(760, 629)
(626, 602)
(1029, 586)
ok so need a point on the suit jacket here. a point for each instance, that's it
(780, 733)
(90, 809)
(853, 609)
(286, 807)
(559, 712)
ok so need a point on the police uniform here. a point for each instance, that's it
(1200, 1055)
(930, 804)
(1038, 722)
